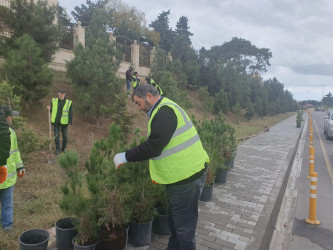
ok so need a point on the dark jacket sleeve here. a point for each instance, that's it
(70, 115)
(128, 75)
(4, 139)
(163, 126)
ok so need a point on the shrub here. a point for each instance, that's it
(28, 141)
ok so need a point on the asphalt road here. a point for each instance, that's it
(307, 236)
(292, 232)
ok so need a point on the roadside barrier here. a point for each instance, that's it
(311, 160)
(311, 148)
(312, 219)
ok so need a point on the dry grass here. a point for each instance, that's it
(252, 127)
(37, 195)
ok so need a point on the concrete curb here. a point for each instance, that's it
(267, 220)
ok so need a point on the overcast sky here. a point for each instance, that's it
(299, 34)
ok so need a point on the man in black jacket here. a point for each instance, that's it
(129, 75)
(176, 159)
(4, 145)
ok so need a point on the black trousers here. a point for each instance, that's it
(183, 213)
(63, 129)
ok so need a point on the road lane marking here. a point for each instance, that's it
(328, 163)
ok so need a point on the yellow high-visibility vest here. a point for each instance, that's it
(183, 156)
(134, 81)
(65, 111)
(13, 162)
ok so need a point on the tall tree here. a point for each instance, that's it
(183, 29)
(328, 100)
(161, 26)
(93, 70)
(126, 21)
(182, 49)
(37, 20)
(85, 13)
(242, 54)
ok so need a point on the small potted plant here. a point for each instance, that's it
(219, 142)
(97, 197)
(143, 205)
(75, 202)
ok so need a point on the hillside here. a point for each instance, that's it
(37, 195)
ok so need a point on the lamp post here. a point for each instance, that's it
(322, 98)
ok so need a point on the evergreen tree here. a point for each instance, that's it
(36, 20)
(161, 26)
(221, 102)
(26, 69)
(85, 13)
(182, 29)
(93, 70)
(182, 49)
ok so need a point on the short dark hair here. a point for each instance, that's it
(61, 91)
(142, 90)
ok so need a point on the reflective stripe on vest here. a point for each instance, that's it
(11, 175)
(183, 156)
(13, 162)
(65, 111)
(188, 125)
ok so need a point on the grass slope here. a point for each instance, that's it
(37, 195)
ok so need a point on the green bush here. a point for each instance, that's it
(28, 141)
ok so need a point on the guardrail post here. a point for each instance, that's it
(312, 219)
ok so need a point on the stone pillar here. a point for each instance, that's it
(112, 39)
(152, 56)
(79, 35)
(135, 49)
(169, 57)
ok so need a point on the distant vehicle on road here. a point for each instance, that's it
(328, 125)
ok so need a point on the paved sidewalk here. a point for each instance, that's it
(243, 211)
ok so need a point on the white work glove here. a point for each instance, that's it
(119, 160)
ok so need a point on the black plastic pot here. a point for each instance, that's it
(160, 222)
(207, 193)
(78, 247)
(34, 239)
(118, 242)
(65, 232)
(139, 234)
(221, 175)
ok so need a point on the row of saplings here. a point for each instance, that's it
(110, 207)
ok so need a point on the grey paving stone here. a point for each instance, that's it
(211, 245)
(234, 217)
